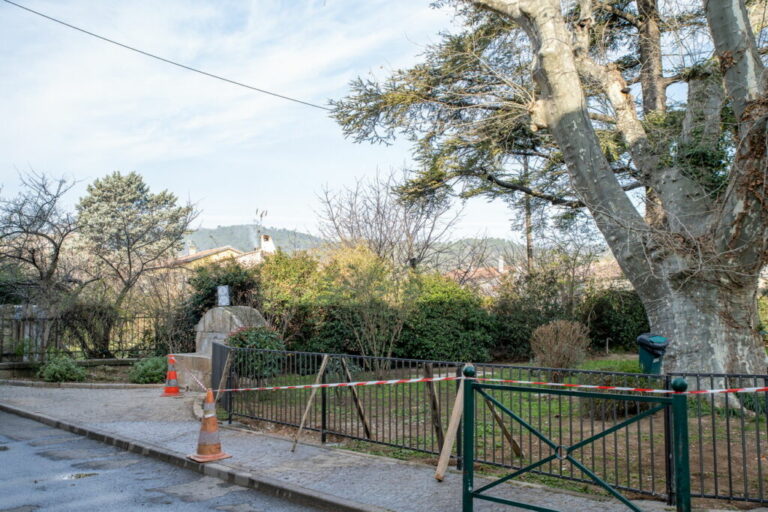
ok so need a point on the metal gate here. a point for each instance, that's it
(676, 403)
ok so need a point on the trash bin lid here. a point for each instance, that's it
(652, 341)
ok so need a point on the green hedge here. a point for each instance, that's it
(256, 365)
(448, 323)
(616, 317)
(525, 302)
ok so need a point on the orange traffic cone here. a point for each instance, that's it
(209, 444)
(171, 384)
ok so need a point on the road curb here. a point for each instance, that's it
(76, 385)
(238, 476)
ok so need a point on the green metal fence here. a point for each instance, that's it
(728, 438)
(677, 453)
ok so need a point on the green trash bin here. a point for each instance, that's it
(652, 348)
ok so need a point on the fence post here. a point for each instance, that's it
(668, 455)
(469, 441)
(459, 437)
(229, 393)
(2, 333)
(680, 446)
(323, 410)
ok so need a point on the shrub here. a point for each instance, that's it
(327, 331)
(371, 297)
(256, 337)
(755, 402)
(149, 371)
(242, 284)
(615, 318)
(287, 293)
(90, 323)
(448, 322)
(608, 409)
(61, 368)
(252, 364)
(560, 344)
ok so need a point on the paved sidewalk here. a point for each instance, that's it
(374, 483)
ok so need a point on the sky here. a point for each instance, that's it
(78, 107)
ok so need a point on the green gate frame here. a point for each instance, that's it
(677, 403)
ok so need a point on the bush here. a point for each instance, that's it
(287, 293)
(447, 322)
(615, 318)
(253, 364)
(370, 296)
(326, 331)
(90, 323)
(242, 284)
(151, 370)
(256, 337)
(560, 344)
(61, 368)
(609, 409)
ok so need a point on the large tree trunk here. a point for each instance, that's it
(712, 329)
(695, 270)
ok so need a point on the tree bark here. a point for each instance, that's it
(712, 329)
(528, 223)
(736, 51)
(649, 43)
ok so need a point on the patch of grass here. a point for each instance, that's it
(550, 481)
(612, 365)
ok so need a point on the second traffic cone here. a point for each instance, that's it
(209, 444)
(171, 384)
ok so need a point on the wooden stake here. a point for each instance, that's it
(435, 407)
(318, 379)
(356, 399)
(450, 438)
(500, 422)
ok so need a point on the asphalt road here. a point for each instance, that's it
(43, 468)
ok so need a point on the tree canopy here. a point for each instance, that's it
(129, 229)
(577, 104)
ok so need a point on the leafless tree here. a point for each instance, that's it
(34, 229)
(463, 258)
(372, 213)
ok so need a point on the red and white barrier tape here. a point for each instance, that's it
(198, 382)
(344, 384)
(619, 388)
(508, 381)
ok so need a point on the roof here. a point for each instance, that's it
(204, 254)
(477, 274)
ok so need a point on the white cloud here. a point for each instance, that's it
(74, 104)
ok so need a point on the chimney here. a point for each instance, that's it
(501, 264)
(267, 245)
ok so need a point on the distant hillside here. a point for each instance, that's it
(246, 237)
(457, 252)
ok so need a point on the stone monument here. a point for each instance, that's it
(215, 326)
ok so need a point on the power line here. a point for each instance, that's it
(163, 59)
